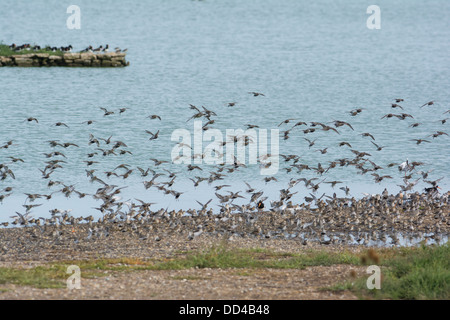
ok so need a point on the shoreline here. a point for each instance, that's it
(206, 267)
(329, 225)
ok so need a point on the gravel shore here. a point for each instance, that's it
(28, 246)
(26, 250)
(163, 235)
(201, 284)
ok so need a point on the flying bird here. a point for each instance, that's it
(255, 94)
(153, 135)
(366, 134)
(154, 116)
(429, 103)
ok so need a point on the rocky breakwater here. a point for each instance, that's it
(110, 59)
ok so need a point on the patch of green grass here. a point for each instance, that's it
(409, 273)
(222, 257)
(54, 275)
(413, 274)
(39, 277)
(5, 51)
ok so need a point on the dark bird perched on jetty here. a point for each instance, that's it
(88, 49)
(99, 49)
(66, 49)
(20, 48)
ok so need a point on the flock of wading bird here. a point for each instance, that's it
(328, 219)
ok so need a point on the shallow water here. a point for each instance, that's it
(313, 61)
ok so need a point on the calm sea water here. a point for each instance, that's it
(313, 61)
